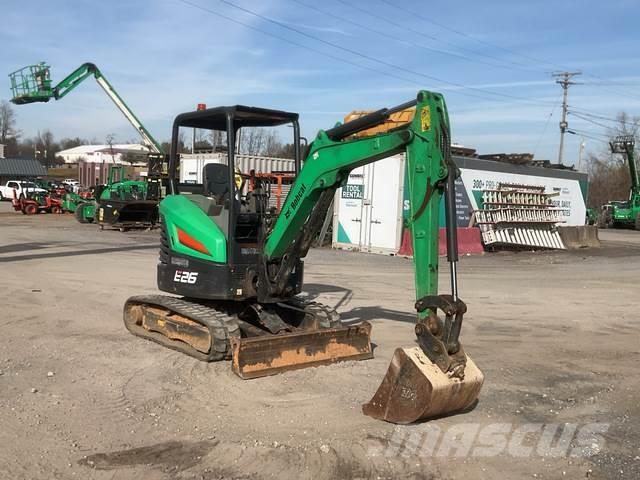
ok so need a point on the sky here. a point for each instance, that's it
(493, 61)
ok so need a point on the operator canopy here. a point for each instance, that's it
(243, 116)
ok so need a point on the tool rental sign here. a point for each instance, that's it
(569, 199)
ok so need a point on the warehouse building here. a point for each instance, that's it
(19, 169)
(370, 211)
(128, 153)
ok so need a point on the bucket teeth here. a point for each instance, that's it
(415, 388)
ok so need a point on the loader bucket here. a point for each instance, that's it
(138, 212)
(415, 388)
(270, 354)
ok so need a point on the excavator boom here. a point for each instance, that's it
(436, 377)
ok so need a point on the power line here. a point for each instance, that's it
(626, 93)
(611, 82)
(587, 119)
(404, 41)
(546, 124)
(633, 121)
(405, 27)
(466, 35)
(369, 57)
(300, 45)
(591, 135)
(320, 52)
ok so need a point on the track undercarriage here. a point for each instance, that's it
(261, 339)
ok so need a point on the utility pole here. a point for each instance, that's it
(564, 80)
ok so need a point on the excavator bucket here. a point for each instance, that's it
(415, 388)
(270, 354)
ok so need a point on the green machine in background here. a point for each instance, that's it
(624, 213)
(120, 203)
(126, 204)
(72, 201)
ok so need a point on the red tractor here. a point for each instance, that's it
(34, 203)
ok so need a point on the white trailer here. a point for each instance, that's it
(192, 165)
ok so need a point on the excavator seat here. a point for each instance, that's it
(216, 181)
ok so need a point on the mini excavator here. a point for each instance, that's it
(236, 271)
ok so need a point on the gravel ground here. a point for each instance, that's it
(555, 333)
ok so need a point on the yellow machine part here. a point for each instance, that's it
(395, 120)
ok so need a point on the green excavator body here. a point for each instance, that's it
(239, 266)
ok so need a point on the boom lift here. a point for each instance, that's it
(119, 207)
(624, 213)
(33, 84)
(239, 270)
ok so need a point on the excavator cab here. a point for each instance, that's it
(212, 238)
(238, 216)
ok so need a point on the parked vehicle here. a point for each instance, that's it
(71, 184)
(21, 187)
(38, 202)
(73, 200)
(624, 213)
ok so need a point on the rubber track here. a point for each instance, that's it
(329, 318)
(221, 325)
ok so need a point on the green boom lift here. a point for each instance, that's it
(32, 84)
(624, 213)
(238, 269)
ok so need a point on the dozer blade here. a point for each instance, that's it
(270, 354)
(415, 388)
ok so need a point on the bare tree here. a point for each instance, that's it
(7, 122)
(182, 144)
(67, 143)
(202, 140)
(272, 144)
(609, 172)
(608, 180)
(252, 141)
(626, 125)
(218, 140)
(48, 147)
(109, 139)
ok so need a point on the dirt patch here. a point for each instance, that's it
(177, 455)
(555, 334)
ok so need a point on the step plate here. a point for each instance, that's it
(261, 356)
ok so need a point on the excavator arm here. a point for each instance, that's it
(333, 154)
(408, 392)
